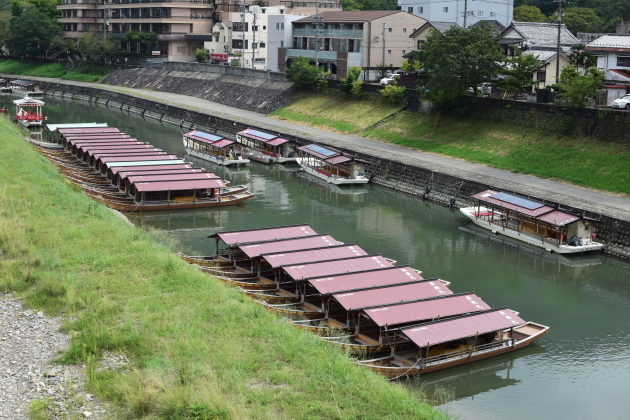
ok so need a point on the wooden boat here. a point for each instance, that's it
(300, 310)
(28, 111)
(332, 166)
(214, 149)
(452, 342)
(321, 326)
(272, 296)
(356, 344)
(266, 147)
(533, 222)
(206, 261)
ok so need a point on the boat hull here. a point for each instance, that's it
(470, 212)
(332, 179)
(219, 160)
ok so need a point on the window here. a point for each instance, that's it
(410, 10)
(278, 25)
(389, 52)
(264, 28)
(261, 45)
(259, 60)
(420, 42)
(264, 10)
(389, 29)
(420, 10)
(281, 44)
(541, 76)
(623, 61)
(492, 14)
(254, 28)
(446, 10)
(254, 45)
(404, 30)
(238, 43)
(239, 26)
(480, 13)
(404, 52)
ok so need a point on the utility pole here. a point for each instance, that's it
(465, 12)
(383, 64)
(254, 39)
(559, 14)
(105, 10)
(317, 20)
(243, 23)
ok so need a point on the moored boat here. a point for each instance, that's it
(332, 166)
(214, 149)
(28, 111)
(266, 147)
(533, 222)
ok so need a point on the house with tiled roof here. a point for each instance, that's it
(342, 39)
(419, 36)
(613, 57)
(540, 40)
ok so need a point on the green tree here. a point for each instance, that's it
(519, 72)
(576, 89)
(581, 19)
(394, 94)
(305, 75)
(31, 33)
(5, 18)
(351, 85)
(458, 59)
(47, 7)
(201, 55)
(144, 39)
(611, 26)
(528, 13)
(94, 46)
(580, 58)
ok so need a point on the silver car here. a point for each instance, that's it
(623, 102)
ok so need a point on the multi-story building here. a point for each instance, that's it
(339, 40)
(462, 12)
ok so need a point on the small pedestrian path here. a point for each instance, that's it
(613, 205)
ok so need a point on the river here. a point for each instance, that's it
(580, 370)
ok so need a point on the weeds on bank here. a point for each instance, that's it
(54, 70)
(192, 347)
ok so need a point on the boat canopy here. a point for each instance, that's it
(132, 169)
(123, 148)
(106, 139)
(432, 308)
(309, 255)
(121, 159)
(222, 143)
(211, 139)
(265, 234)
(329, 155)
(170, 176)
(55, 127)
(263, 137)
(535, 209)
(328, 268)
(22, 82)
(69, 131)
(97, 154)
(199, 184)
(317, 241)
(124, 175)
(438, 332)
(342, 281)
(109, 146)
(27, 101)
(111, 165)
(421, 289)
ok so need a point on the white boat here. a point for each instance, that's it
(266, 147)
(28, 111)
(533, 222)
(331, 165)
(214, 149)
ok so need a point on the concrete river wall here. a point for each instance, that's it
(414, 180)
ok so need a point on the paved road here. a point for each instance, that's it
(596, 201)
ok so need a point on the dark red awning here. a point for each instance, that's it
(467, 326)
(124, 175)
(266, 234)
(323, 254)
(327, 268)
(255, 250)
(420, 289)
(119, 169)
(364, 279)
(171, 177)
(179, 185)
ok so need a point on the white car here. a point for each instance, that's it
(390, 78)
(623, 102)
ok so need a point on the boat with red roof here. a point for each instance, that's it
(332, 166)
(266, 147)
(28, 111)
(214, 149)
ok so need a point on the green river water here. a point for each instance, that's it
(580, 370)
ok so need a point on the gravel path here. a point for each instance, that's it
(28, 343)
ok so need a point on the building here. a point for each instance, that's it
(541, 40)
(419, 36)
(464, 13)
(613, 58)
(368, 38)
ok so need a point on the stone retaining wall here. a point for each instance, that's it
(253, 94)
(413, 180)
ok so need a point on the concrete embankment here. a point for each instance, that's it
(437, 178)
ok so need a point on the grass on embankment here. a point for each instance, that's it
(197, 348)
(575, 159)
(46, 70)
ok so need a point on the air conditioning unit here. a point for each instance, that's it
(242, 16)
(199, 16)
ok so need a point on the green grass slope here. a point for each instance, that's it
(196, 348)
(46, 70)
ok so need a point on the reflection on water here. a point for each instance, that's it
(578, 370)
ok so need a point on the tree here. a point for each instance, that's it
(47, 7)
(580, 58)
(576, 89)
(305, 75)
(351, 85)
(5, 18)
(581, 19)
(94, 46)
(529, 14)
(31, 33)
(519, 72)
(201, 55)
(458, 59)
(144, 39)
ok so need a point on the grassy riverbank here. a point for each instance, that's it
(578, 160)
(46, 70)
(194, 347)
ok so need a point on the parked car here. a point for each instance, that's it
(623, 102)
(390, 78)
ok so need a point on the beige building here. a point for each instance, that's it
(369, 38)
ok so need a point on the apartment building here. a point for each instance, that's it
(463, 12)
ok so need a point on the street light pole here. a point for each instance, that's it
(558, 44)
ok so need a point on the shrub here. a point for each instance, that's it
(395, 95)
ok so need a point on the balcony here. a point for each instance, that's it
(324, 55)
(118, 2)
(329, 33)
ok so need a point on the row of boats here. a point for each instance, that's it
(131, 175)
(389, 317)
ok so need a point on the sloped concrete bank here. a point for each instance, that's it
(408, 178)
(253, 94)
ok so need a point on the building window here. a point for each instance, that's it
(492, 14)
(541, 76)
(254, 28)
(389, 52)
(404, 30)
(277, 25)
(259, 60)
(420, 10)
(404, 52)
(239, 26)
(446, 10)
(264, 28)
(239, 43)
(410, 10)
(420, 42)
(261, 45)
(281, 44)
(264, 10)
(480, 13)
(623, 61)
(389, 29)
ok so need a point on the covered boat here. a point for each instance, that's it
(214, 148)
(532, 222)
(266, 147)
(331, 165)
(28, 111)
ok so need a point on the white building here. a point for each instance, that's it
(453, 10)
(278, 36)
